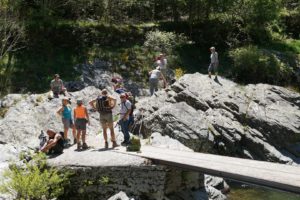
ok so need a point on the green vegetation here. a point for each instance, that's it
(135, 144)
(33, 180)
(257, 65)
(40, 38)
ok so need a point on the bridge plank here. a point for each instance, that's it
(279, 176)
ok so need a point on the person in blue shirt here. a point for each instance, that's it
(66, 113)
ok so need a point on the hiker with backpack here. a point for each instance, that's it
(57, 86)
(66, 113)
(155, 76)
(54, 143)
(104, 104)
(81, 118)
(125, 111)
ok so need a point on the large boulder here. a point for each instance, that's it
(219, 116)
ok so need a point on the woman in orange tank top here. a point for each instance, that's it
(81, 118)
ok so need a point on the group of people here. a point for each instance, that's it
(104, 104)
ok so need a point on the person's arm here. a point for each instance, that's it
(150, 73)
(87, 116)
(59, 112)
(92, 104)
(51, 85)
(74, 114)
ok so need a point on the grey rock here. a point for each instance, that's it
(255, 121)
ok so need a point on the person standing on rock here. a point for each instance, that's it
(162, 63)
(155, 76)
(81, 118)
(124, 121)
(104, 105)
(214, 62)
(57, 86)
(66, 113)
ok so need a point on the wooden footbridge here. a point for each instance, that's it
(273, 175)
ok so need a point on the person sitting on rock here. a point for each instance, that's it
(54, 143)
(57, 86)
(81, 118)
(104, 105)
(155, 76)
(66, 113)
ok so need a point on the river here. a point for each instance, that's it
(243, 192)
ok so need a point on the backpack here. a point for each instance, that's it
(102, 104)
(130, 98)
(43, 139)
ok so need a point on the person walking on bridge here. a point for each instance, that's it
(214, 62)
(81, 118)
(104, 105)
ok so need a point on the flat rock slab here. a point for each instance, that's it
(95, 156)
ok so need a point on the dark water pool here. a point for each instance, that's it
(257, 193)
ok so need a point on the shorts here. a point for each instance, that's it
(68, 123)
(80, 124)
(213, 67)
(106, 117)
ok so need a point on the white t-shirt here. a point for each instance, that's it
(155, 74)
(162, 64)
(125, 106)
(214, 57)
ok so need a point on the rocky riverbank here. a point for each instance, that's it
(219, 116)
(196, 113)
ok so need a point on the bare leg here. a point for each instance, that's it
(105, 132)
(112, 132)
(48, 145)
(83, 136)
(78, 136)
(66, 133)
(74, 131)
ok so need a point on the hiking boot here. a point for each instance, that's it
(65, 143)
(78, 145)
(106, 145)
(114, 144)
(124, 143)
(209, 76)
(85, 146)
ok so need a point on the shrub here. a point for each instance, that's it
(164, 41)
(253, 65)
(34, 180)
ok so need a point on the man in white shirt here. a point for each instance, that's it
(155, 76)
(214, 62)
(126, 107)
